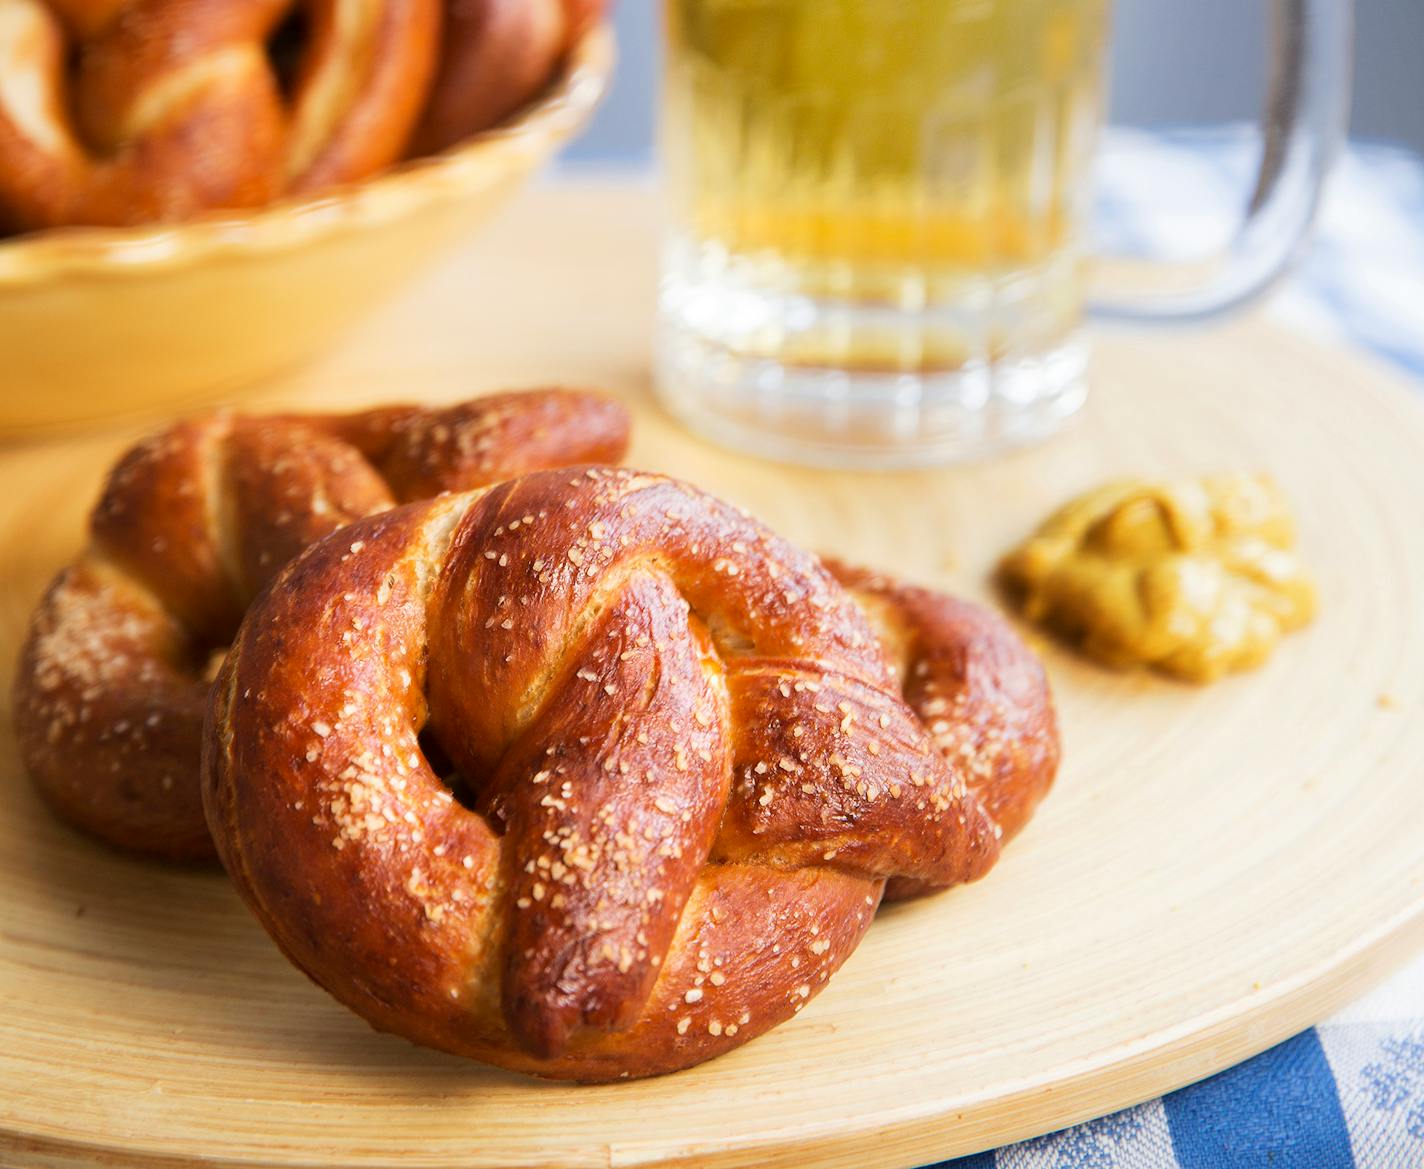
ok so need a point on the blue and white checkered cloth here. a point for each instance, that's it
(1348, 1094)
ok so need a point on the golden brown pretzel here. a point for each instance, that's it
(677, 767)
(978, 689)
(496, 56)
(175, 108)
(192, 523)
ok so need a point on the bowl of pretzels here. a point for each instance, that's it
(195, 196)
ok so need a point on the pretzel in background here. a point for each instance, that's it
(174, 107)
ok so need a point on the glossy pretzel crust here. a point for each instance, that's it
(191, 525)
(586, 775)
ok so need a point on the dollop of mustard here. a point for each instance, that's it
(1195, 578)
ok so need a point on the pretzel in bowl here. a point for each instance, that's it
(496, 56)
(191, 525)
(586, 774)
(173, 107)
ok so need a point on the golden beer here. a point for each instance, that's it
(953, 133)
(867, 189)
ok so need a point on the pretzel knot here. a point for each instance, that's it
(172, 107)
(191, 525)
(588, 774)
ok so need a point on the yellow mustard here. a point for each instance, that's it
(1195, 578)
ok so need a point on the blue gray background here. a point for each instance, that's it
(1174, 62)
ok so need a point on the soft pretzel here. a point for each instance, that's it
(586, 774)
(496, 56)
(175, 107)
(191, 525)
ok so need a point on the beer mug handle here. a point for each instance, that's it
(1303, 127)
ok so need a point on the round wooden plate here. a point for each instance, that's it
(1217, 868)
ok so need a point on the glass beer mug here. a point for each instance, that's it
(878, 209)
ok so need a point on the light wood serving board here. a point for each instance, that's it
(1217, 868)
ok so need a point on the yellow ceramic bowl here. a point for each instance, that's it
(99, 323)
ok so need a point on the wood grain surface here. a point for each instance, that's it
(1217, 869)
